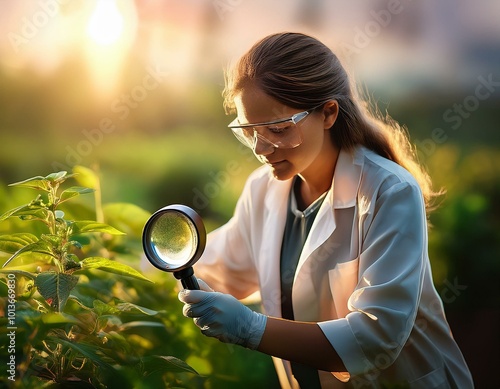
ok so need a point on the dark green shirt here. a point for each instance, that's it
(297, 227)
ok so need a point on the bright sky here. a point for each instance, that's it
(421, 38)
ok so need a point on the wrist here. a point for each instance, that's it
(256, 330)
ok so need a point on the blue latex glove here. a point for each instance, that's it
(223, 317)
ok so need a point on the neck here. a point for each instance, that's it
(317, 179)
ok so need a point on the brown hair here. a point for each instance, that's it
(301, 72)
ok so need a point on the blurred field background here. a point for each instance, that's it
(133, 90)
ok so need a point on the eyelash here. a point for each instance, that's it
(277, 130)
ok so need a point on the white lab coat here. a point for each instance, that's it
(363, 274)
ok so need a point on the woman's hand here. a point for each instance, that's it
(223, 317)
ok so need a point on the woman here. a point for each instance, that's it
(331, 231)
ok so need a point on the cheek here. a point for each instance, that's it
(302, 156)
(313, 138)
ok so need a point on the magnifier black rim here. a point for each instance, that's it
(199, 227)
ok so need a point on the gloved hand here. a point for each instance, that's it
(223, 317)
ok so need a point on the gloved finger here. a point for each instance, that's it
(220, 336)
(187, 310)
(208, 330)
(195, 310)
(203, 307)
(204, 286)
(203, 322)
(191, 296)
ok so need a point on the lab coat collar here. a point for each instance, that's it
(344, 188)
(346, 178)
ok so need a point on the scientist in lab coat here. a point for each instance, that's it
(331, 231)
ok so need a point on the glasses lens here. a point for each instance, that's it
(243, 136)
(284, 135)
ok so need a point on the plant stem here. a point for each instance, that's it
(99, 214)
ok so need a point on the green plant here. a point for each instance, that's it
(68, 328)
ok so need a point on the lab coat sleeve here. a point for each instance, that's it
(227, 264)
(384, 304)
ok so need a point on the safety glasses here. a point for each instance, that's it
(281, 133)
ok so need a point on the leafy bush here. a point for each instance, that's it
(68, 326)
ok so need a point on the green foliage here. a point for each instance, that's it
(465, 238)
(55, 285)
(71, 327)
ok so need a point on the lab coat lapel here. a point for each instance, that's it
(342, 194)
(270, 250)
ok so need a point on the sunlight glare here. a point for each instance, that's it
(106, 23)
(107, 42)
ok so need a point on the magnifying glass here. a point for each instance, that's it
(173, 239)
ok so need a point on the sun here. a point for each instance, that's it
(105, 25)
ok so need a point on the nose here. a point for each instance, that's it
(262, 146)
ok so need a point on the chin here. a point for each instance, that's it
(282, 174)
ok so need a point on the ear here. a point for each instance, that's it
(330, 112)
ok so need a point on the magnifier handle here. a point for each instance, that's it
(190, 283)
(188, 280)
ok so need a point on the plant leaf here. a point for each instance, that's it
(55, 318)
(55, 288)
(77, 301)
(156, 363)
(80, 227)
(58, 177)
(25, 285)
(11, 212)
(112, 267)
(140, 323)
(88, 351)
(37, 182)
(73, 192)
(126, 217)
(127, 307)
(116, 341)
(101, 308)
(32, 212)
(14, 242)
(20, 273)
(40, 246)
(52, 239)
(26, 211)
(86, 177)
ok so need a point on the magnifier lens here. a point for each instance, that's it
(174, 238)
